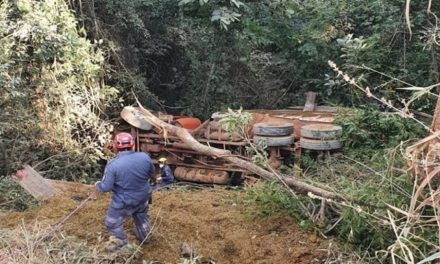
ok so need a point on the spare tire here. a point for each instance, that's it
(275, 141)
(223, 136)
(269, 129)
(217, 116)
(321, 131)
(215, 125)
(316, 144)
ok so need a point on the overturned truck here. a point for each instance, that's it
(284, 132)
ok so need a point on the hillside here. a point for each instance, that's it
(214, 222)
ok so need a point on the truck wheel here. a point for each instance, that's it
(215, 125)
(274, 141)
(321, 131)
(223, 136)
(317, 144)
(268, 129)
(217, 116)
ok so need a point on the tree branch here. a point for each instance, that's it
(189, 140)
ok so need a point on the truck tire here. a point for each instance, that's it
(217, 116)
(317, 144)
(215, 125)
(269, 129)
(275, 141)
(321, 131)
(223, 136)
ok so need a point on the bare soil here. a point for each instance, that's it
(213, 222)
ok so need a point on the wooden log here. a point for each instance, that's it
(310, 102)
(37, 186)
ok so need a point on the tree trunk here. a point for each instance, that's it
(189, 140)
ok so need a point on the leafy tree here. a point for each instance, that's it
(52, 95)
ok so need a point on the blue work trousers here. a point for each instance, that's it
(116, 217)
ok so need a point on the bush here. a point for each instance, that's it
(367, 130)
(270, 199)
(53, 97)
(13, 197)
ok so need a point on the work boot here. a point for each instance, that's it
(114, 244)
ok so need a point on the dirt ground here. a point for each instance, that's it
(211, 221)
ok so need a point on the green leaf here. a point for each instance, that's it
(237, 3)
(184, 2)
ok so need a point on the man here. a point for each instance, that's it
(166, 175)
(126, 176)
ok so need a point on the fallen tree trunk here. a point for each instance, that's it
(189, 140)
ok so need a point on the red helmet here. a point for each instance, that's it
(123, 140)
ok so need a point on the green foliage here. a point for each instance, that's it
(371, 182)
(257, 153)
(13, 197)
(179, 57)
(368, 130)
(234, 120)
(269, 199)
(225, 17)
(239, 122)
(224, 14)
(52, 95)
(174, 58)
(372, 185)
(306, 160)
(360, 229)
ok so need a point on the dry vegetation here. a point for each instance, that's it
(214, 223)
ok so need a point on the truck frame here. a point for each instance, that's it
(189, 165)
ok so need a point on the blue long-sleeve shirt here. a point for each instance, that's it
(127, 176)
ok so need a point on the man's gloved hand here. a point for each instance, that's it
(96, 183)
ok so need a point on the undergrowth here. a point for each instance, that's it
(13, 197)
(368, 132)
(267, 199)
(54, 97)
(30, 244)
(371, 172)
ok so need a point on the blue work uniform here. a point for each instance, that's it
(167, 178)
(167, 175)
(127, 176)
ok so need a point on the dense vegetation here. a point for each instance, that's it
(271, 53)
(66, 68)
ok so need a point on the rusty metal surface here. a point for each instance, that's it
(201, 175)
(151, 148)
(220, 166)
(193, 166)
